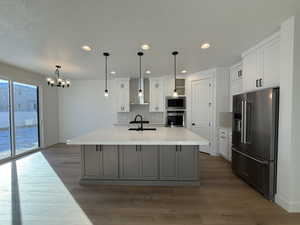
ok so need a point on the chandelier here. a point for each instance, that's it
(58, 81)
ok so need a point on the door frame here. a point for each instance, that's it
(212, 111)
(12, 119)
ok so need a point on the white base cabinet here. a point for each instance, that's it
(141, 164)
(225, 140)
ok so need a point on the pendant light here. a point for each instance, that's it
(140, 54)
(175, 94)
(106, 54)
(58, 81)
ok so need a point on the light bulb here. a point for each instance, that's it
(49, 79)
(140, 93)
(175, 94)
(68, 82)
(106, 93)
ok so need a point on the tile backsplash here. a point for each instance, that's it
(153, 117)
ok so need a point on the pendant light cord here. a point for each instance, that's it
(106, 54)
(140, 54)
(175, 54)
(106, 72)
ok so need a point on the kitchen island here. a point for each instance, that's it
(166, 156)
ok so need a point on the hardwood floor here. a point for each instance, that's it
(222, 198)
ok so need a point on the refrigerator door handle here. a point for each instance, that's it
(245, 123)
(242, 123)
(250, 157)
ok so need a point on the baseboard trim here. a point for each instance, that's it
(289, 206)
(140, 182)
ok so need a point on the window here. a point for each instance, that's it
(19, 124)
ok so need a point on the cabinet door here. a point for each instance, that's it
(149, 161)
(156, 95)
(109, 161)
(122, 90)
(129, 162)
(168, 162)
(250, 71)
(91, 156)
(188, 163)
(269, 64)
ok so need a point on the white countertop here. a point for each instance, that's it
(122, 136)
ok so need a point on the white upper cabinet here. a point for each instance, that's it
(236, 79)
(261, 65)
(269, 59)
(250, 71)
(156, 94)
(122, 94)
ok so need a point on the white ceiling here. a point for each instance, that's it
(37, 35)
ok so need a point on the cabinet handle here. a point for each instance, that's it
(193, 124)
(256, 82)
(260, 82)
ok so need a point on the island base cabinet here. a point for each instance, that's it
(100, 162)
(178, 162)
(136, 164)
(139, 162)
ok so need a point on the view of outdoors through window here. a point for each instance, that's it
(5, 146)
(25, 114)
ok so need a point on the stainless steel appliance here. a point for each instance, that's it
(175, 103)
(254, 139)
(175, 119)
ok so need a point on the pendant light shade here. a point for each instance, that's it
(140, 54)
(175, 94)
(106, 54)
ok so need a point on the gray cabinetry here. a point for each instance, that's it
(139, 162)
(168, 162)
(109, 161)
(153, 164)
(149, 161)
(91, 161)
(129, 162)
(100, 161)
(187, 163)
(178, 162)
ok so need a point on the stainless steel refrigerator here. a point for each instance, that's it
(254, 139)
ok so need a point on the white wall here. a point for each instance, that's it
(83, 108)
(48, 100)
(288, 176)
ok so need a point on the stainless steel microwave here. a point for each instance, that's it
(175, 103)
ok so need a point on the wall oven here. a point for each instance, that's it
(175, 119)
(177, 103)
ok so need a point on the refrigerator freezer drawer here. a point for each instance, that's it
(259, 174)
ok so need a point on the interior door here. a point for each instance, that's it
(201, 110)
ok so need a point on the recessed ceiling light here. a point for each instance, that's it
(183, 71)
(205, 46)
(86, 48)
(145, 47)
(148, 72)
(113, 72)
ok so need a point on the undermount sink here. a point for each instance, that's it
(140, 129)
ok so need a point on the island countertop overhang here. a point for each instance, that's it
(122, 136)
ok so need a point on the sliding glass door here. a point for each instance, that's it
(26, 117)
(19, 124)
(5, 131)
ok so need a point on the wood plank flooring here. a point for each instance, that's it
(222, 198)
